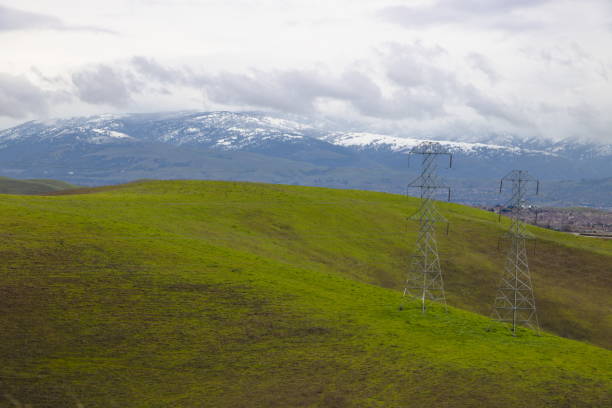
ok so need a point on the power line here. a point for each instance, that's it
(424, 279)
(515, 302)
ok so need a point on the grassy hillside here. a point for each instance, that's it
(32, 186)
(218, 294)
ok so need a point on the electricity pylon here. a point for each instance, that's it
(424, 280)
(514, 302)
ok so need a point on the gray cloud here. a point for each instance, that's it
(489, 107)
(421, 72)
(417, 67)
(488, 7)
(593, 122)
(151, 69)
(482, 64)
(422, 88)
(486, 13)
(292, 90)
(20, 98)
(12, 19)
(297, 91)
(418, 86)
(104, 85)
(56, 80)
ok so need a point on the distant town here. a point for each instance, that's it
(577, 220)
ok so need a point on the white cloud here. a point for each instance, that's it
(12, 19)
(492, 14)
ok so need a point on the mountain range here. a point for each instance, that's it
(258, 146)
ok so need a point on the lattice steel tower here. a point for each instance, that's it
(424, 280)
(514, 302)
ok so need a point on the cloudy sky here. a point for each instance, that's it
(461, 69)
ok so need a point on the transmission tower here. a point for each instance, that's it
(424, 280)
(514, 302)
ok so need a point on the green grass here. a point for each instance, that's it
(32, 186)
(220, 294)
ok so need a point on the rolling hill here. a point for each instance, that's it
(32, 186)
(224, 294)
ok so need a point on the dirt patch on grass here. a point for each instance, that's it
(93, 190)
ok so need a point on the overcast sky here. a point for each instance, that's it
(441, 68)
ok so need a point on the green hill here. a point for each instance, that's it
(32, 186)
(220, 294)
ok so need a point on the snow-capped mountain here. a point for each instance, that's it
(217, 130)
(220, 130)
(365, 141)
(96, 130)
(263, 147)
(243, 130)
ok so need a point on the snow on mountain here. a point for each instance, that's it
(105, 136)
(364, 141)
(581, 150)
(227, 130)
(576, 147)
(249, 130)
(224, 130)
(95, 130)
